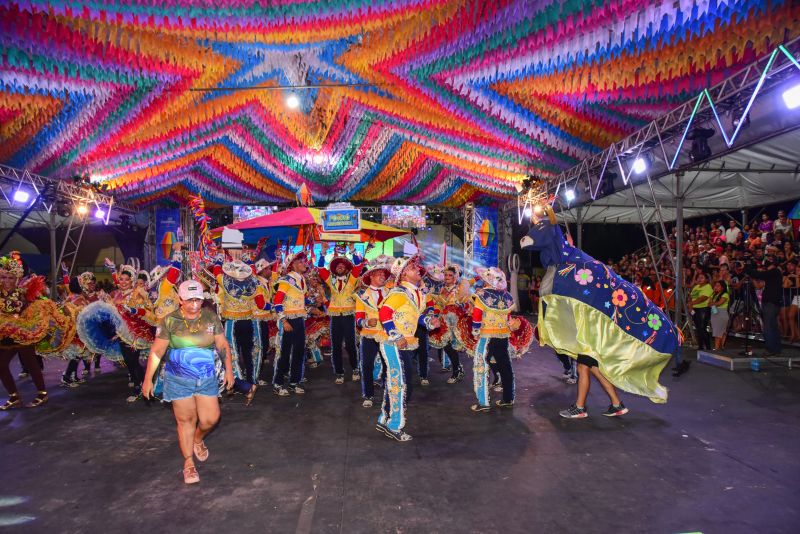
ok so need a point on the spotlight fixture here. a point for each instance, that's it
(607, 187)
(99, 214)
(82, 209)
(21, 196)
(700, 150)
(64, 209)
(527, 213)
(569, 194)
(736, 115)
(791, 97)
(639, 165)
(292, 101)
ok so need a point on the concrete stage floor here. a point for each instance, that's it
(722, 456)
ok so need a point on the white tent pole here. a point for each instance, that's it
(54, 267)
(678, 267)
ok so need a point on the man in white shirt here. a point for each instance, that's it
(782, 223)
(732, 233)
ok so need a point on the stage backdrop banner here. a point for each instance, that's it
(484, 242)
(168, 223)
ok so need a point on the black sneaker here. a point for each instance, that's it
(682, 368)
(68, 382)
(397, 435)
(573, 412)
(615, 411)
(458, 377)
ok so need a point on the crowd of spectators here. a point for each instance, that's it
(721, 263)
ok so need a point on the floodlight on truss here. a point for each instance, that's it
(534, 195)
(791, 97)
(639, 165)
(21, 196)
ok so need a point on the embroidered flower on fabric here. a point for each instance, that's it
(584, 276)
(619, 298)
(654, 321)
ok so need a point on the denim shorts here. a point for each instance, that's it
(179, 387)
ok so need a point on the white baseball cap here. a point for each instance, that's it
(191, 289)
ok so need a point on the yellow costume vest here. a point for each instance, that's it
(294, 289)
(236, 298)
(367, 303)
(342, 301)
(496, 307)
(265, 289)
(407, 302)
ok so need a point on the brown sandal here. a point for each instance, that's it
(41, 398)
(13, 402)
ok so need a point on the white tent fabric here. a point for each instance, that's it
(761, 174)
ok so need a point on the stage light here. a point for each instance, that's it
(791, 97)
(99, 214)
(538, 210)
(21, 196)
(569, 194)
(63, 209)
(292, 101)
(519, 187)
(82, 210)
(639, 166)
(700, 150)
(745, 123)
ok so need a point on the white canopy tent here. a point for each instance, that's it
(760, 174)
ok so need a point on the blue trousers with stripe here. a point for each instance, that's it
(493, 350)
(397, 389)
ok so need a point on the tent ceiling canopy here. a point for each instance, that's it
(764, 173)
(440, 102)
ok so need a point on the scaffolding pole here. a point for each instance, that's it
(469, 234)
(72, 241)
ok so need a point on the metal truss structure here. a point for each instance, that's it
(150, 240)
(469, 233)
(44, 195)
(736, 93)
(664, 141)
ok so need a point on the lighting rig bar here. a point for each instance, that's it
(762, 75)
(24, 188)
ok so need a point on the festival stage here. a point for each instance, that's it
(721, 456)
